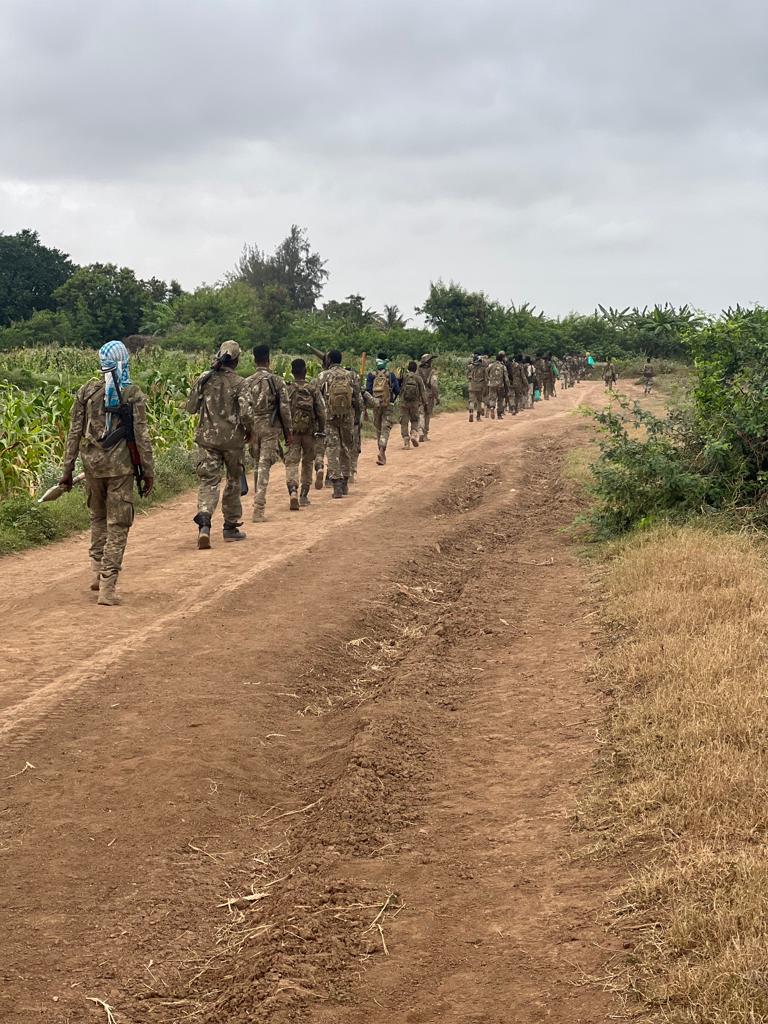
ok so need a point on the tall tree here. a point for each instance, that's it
(103, 301)
(30, 273)
(293, 266)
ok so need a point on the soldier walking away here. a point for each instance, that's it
(432, 391)
(477, 373)
(497, 382)
(357, 424)
(340, 409)
(519, 384)
(220, 437)
(413, 398)
(308, 428)
(266, 415)
(610, 376)
(648, 375)
(383, 387)
(109, 432)
(548, 377)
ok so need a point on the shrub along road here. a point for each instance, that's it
(324, 775)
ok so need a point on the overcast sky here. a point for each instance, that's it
(564, 152)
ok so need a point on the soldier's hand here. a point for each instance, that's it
(149, 483)
(66, 480)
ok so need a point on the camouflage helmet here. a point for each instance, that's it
(426, 358)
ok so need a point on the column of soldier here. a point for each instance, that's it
(318, 419)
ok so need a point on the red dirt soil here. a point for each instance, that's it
(325, 775)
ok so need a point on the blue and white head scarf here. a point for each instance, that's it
(114, 356)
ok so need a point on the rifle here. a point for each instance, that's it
(125, 432)
(277, 417)
(322, 356)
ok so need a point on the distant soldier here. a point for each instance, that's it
(477, 375)
(266, 414)
(308, 426)
(101, 415)
(357, 425)
(413, 399)
(498, 380)
(519, 384)
(540, 371)
(340, 399)
(648, 376)
(216, 399)
(609, 375)
(432, 391)
(548, 377)
(383, 387)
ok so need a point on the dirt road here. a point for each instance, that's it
(322, 776)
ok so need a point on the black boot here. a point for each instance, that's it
(203, 521)
(304, 496)
(233, 532)
(338, 488)
(345, 486)
(294, 498)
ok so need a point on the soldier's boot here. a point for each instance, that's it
(328, 481)
(294, 498)
(232, 532)
(352, 476)
(471, 416)
(107, 595)
(493, 414)
(304, 496)
(406, 442)
(414, 441)
(338, 488)
(381, 458)
(95, 569)
(319, 478)
(345, 486)
(258, 515)
(203, 521)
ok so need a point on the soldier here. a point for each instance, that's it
(648, 375)
(548, 377)
(383, 387)
(610, 376)
(265, 407)
(476, 375)
(220, 438)
(97, 435)
(540, 372)
(340, 404)
(432, 390)
(413, 399)
(498, 381)
(357, 426)
(519, 384)
(308, 427)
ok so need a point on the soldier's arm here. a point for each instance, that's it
(193, 402)
(75, 435)
(244, 409)
(321, 413)
(285, 405)
(394, 385)
(141, 433)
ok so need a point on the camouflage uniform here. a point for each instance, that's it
(108, 473)
(303, 450)
(498, 382)
(519, 386)
(410, 411)
(216, 397)
(357, 438)
(477, 376)
(432, 393)
(262, 392)
(339, 428)
(610, 376)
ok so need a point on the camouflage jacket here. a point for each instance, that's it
(517, 376)
(319, 409)
(477, 375)
(216, 397)
(89, 420)
(260, 396)
(431, 388)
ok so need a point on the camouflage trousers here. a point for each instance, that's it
(492, 398)
(339, 439)
(549, 387)
(382, 421)
(409, 419)
(302, 452)
(425, 419)
(110, 503)
(503, 401)
(265, 448)
(476, 400)
(211, 465)
(519, 400)
(357, 444)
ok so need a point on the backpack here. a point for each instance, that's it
(339, 395)
(495, 374)
(381, 390)
(302, 409)
(477, 374)
(262, 396)
(410, 392)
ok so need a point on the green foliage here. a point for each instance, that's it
(30, 273)
(102, 302)
(293, 267)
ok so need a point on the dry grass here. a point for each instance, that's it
(684, 784)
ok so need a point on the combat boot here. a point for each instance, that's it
(294, 498)
(258, 515)
(414, 441)
(493, 414)
(319, 478)
(338, 488)
(96, 570)
(345, 486)
(232, 532)
(304, 496)
(406, 442)
(203, 521)
(107, 593)
(381, 458)
(328, 481)
(471, 417)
